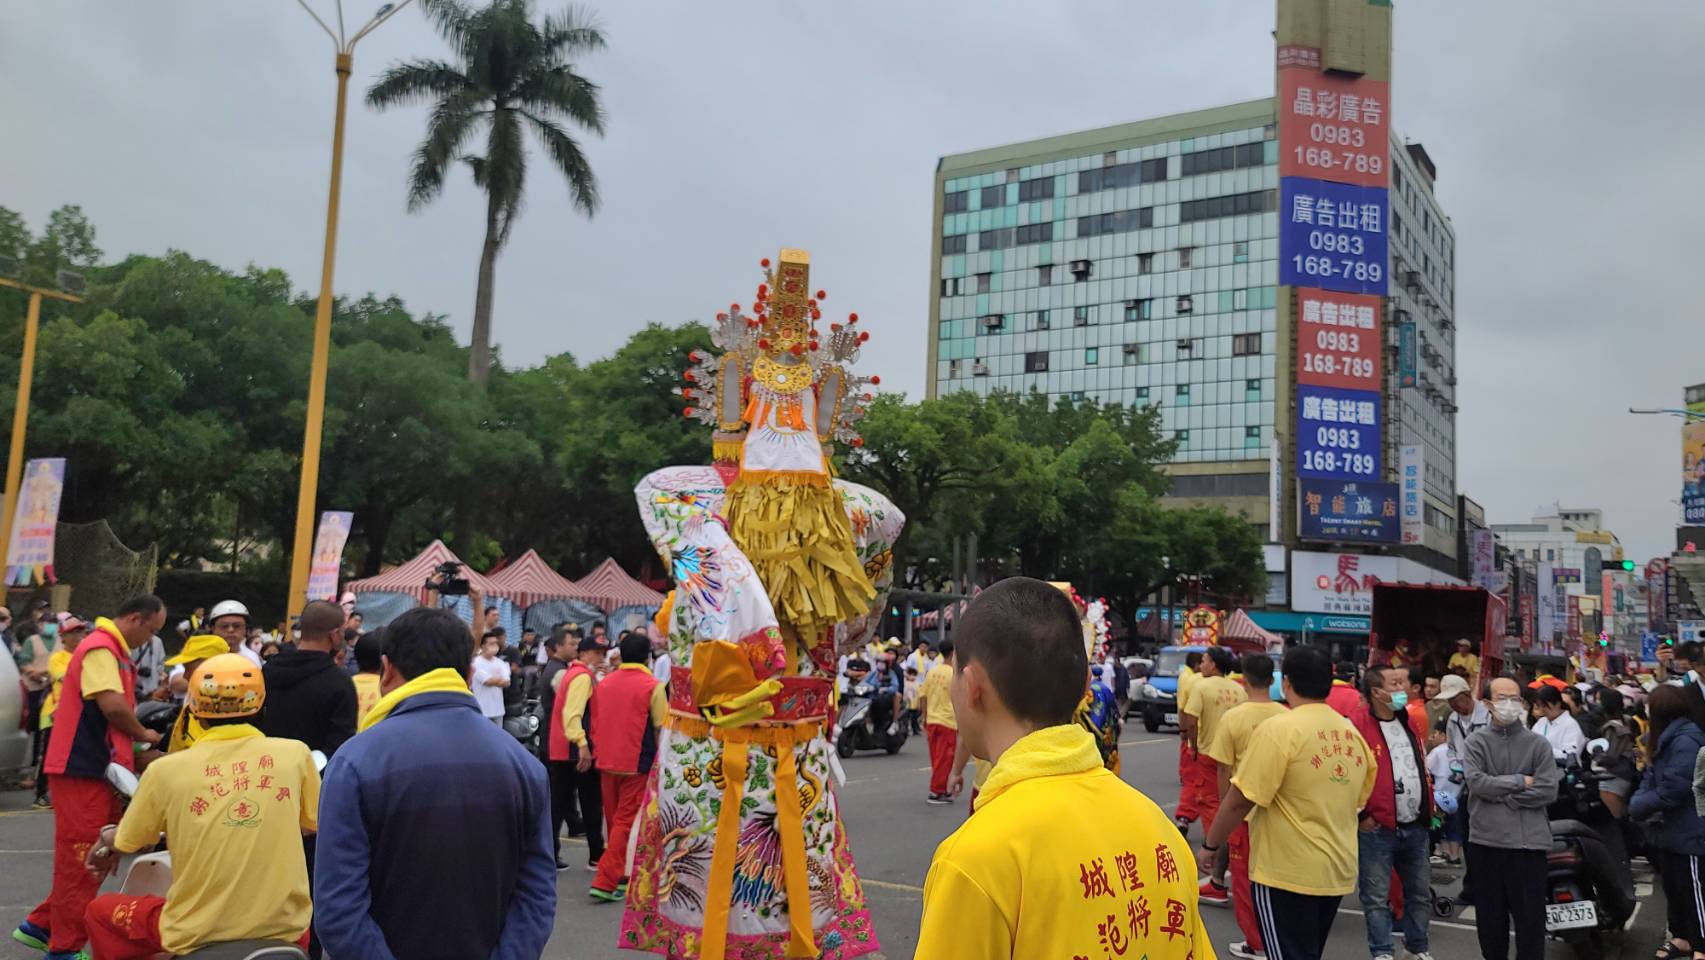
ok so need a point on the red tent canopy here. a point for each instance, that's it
(410, 577)
(1239, 626)
(610, 587)
(530, 579)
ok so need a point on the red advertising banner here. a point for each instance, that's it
(1527, 616)
(1574, 618)
(1338, 339)
(1333, 127)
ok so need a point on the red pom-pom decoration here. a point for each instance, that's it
(688, 412)
(863, 337)
(852, 318)
(858, 441)
(693, 355)
(734, 308)
(798, 349)
(763, 344)
(686, 391)
(869, 396)
(876, 381)
(691, 377)
(763, 290)
(835, 327)
(813, 346)
(765, 263)
(822, 296)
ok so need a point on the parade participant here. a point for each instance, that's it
(1510, 778)
(1464, 658)
(186, 729)
(779, 568)
(1344, 696)
(468, 874)
(229, 619)
(1198, 715)
(1010, 883)
(1188, 797)
(576, 793)
(1228, 748)
(628, 709)
(235, 810)
(94, 725)
(1099, 714)
(1396, 819)
(939, 724)
(1300, 783)
(369, 661)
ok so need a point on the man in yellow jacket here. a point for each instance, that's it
(1010, 883)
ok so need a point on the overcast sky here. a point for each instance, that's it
(1568, 137)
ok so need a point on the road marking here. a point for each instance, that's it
(1138, 743)
(26, 851)
(885, 885)
(22, 813)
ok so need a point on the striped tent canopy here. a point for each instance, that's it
(1240, 626)
(610, 587)
(530, 579)
(410, 577)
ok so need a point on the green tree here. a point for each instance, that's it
(510, 75)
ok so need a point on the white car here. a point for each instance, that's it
(14, 742)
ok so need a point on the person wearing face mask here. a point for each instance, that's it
(1396, 817)
(1510, 778)
(1557, 726)
(888, 688)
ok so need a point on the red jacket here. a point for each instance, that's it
(1343, 698)
(621, 713)
(560, 748)
(83, 742)
(1382, 803)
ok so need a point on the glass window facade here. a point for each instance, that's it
(1180, 240)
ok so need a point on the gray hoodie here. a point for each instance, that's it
(1503, 811)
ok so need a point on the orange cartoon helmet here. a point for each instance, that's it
(227, 685)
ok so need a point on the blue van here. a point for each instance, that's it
(1156, 695)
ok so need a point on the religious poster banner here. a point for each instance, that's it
(328, 554)
(29, 555)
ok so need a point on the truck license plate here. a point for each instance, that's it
(1171, 718)
(1570, 916)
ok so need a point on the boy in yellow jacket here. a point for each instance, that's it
(1010, 883)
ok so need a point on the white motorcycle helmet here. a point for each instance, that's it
(228, 608)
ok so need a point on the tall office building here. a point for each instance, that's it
(1138, 264)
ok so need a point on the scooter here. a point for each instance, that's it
(1589, 891)
(150, 874)
(524, 724)
(857, 724)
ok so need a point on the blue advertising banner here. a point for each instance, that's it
(1357, 511)
(1338, 433)
(1332, 235)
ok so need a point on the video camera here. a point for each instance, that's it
(447, 580)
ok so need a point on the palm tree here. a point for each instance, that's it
(510, 75)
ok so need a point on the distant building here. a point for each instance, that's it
(1138, 264)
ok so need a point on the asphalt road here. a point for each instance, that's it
(893, 831)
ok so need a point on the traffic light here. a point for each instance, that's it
(1628, 565)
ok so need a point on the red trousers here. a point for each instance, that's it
(127, 927)
(943, 741)
(623, 793)
(81, 807)
(1199, 785)
(1242, 894)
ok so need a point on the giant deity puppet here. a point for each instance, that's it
(739, 850)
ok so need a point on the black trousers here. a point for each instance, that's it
(570, 789)
(1680, 875)
(1294, 926)
(1509, 888)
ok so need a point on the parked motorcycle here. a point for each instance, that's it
(525, 722)
(150, 874)
(858, 724)
(1589, 892)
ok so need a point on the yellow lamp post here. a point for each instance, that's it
(21, 410)
(302, 551)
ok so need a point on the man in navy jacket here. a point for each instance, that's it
(436, 824)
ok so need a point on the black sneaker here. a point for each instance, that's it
(561, 864)
(939, 799)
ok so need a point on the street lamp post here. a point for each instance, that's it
(21, 407)
(305, 496)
